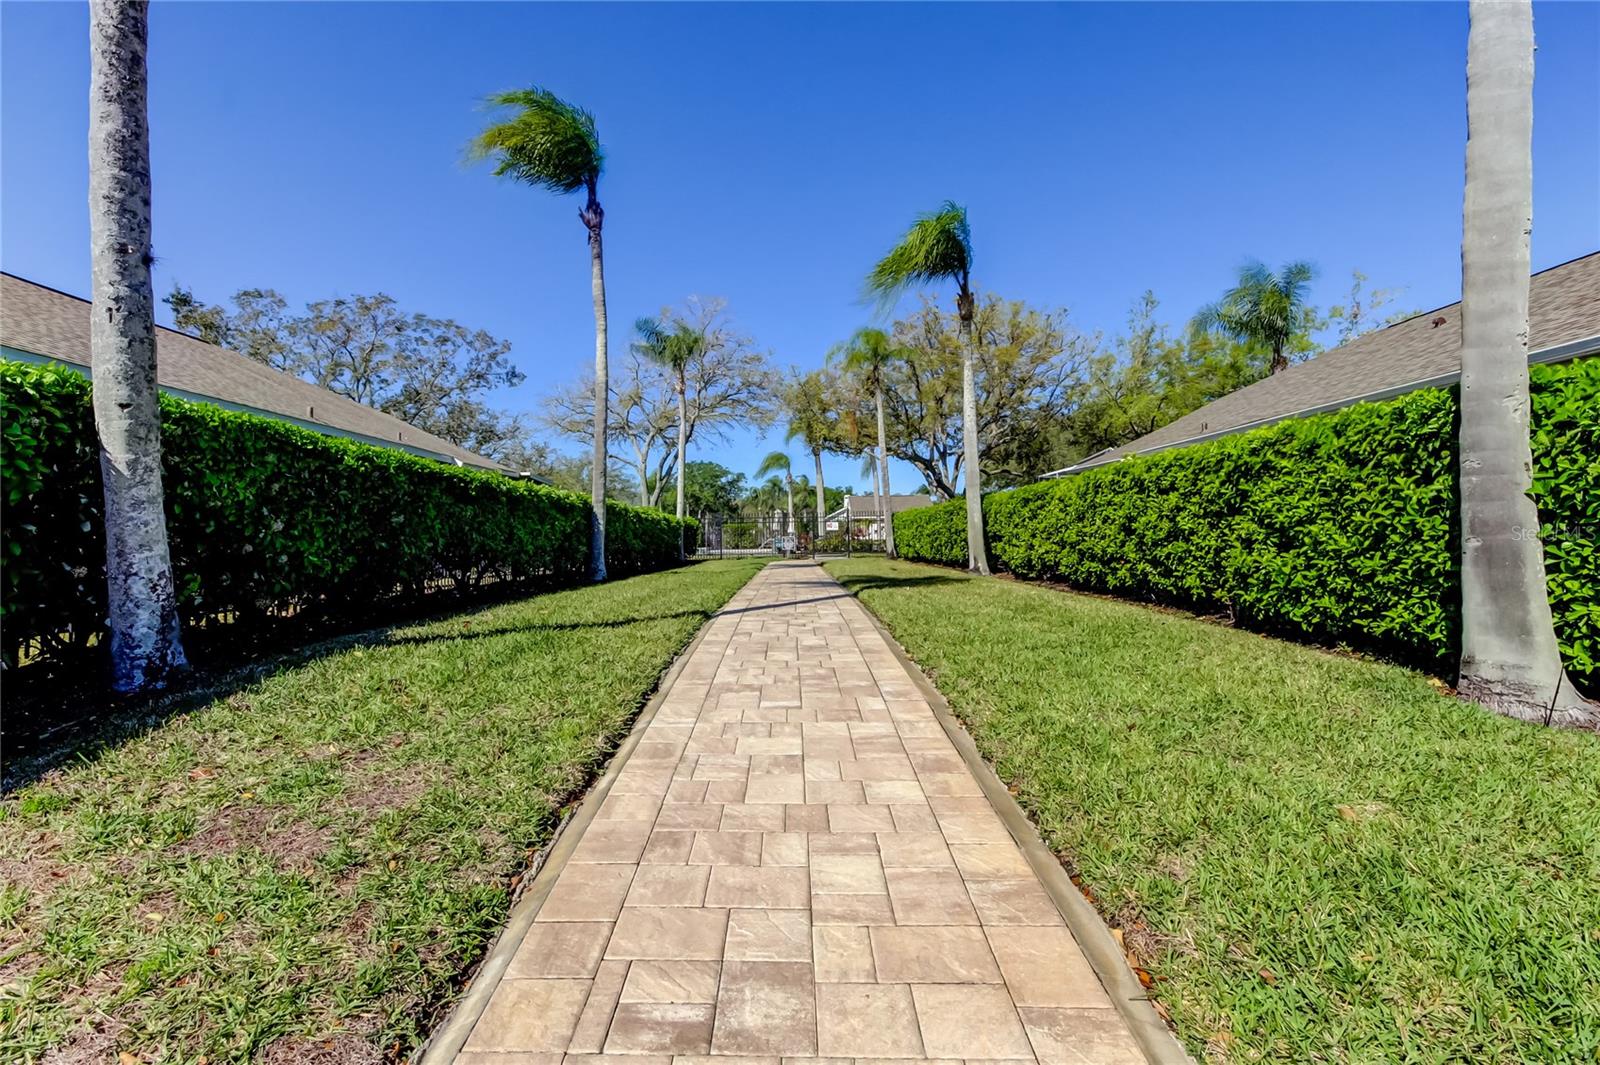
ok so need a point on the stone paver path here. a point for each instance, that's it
(796, 863)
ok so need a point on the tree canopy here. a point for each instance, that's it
(541, 140)
(433, 373)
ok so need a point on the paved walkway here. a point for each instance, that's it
(796, 863)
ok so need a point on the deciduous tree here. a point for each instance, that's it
(433, 373)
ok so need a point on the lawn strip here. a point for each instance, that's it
(1318, 857)
(303, 868)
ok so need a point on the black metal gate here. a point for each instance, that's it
(762, 534)
(735, 535)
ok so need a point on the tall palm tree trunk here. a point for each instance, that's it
(1509, 658)
(883, 479)
(793, 532)
(141, 598)
(822, 508)
(683, 446)
(593, 217)
(877, 494)
(977, 552)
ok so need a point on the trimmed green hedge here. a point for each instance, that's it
(264, 517)
(1342, 527)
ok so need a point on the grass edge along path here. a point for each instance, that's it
(1319, 858)
(301, 871)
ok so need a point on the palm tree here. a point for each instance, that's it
(141, 597)
(778, 462)
(869, 468)
(811, 423)
(674, 347)
(1510, 661)
(938, 247)
(548, 143)
(1263, 308)
(868, 356)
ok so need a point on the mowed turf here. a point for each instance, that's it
(303, 869)
(1319, 858)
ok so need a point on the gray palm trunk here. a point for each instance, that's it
(597, 474)
(788, 479)
(883, 480)
(822, 512)
(141, 598)
(977, 553)
(1510, 661)
(683, 446)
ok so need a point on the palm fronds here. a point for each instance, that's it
(674, 345)
(542, 140)
(775, 462)
(866, 355)
(937, 247)
(1262, 306)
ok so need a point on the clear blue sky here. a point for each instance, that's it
(768, 153)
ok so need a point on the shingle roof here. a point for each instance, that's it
(54, 325)
(865, 505)
(1564, 307)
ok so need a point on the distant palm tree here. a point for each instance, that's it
(550, 144)
(1510, 660)
(938, 247)
(141, 597)
(674, 346)
(811, 423)
(867, 357)
(1263, 308)
(778, 462)
(869, 468)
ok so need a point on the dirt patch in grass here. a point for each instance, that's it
(342, 1049)
(92, 1045)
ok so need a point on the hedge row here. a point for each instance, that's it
(265, 517)
(1339, 528)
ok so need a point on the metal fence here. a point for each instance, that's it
(735, 535)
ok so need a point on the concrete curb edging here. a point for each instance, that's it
(446, 1040)
(1127, 994)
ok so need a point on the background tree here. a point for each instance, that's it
(727, 383)
(548, 143)
(811, 422)
(1510, 661)
(142, 601)
(433, 373)
(1364, 311)
(778, 462)
(673, 346)
(868, 356)
(642, 419)
(1031, 365)
(711, 488)
(938, 247)
(1264, 307)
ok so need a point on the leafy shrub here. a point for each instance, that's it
(265, 517)
(933, 534)
(1341, 527)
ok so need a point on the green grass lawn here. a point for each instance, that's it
(1319, 858)
(302, 870)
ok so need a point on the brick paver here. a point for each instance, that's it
(796, 863)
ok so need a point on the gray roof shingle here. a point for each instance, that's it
(1564, 306)
(54, 325)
